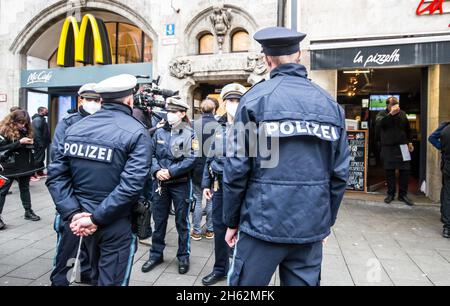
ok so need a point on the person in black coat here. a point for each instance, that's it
(17, 162)
(42, 139)
(204, 127)
(394, 131)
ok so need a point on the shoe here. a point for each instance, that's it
(183, 267)
(30, 215)
(196, 237)
(151, 264)
(35, 179)
(389, 199)
(209, 235)
(2, 224)
(406, 200)
(446, 233)
(147, 242)
(212, 279)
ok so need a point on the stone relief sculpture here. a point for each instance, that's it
(180, 68)
(221, 22)
(256, 64)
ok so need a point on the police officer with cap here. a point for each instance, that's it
(279, 211)
(213, 181)
(175, 148)
(67, 242)
(98, 176)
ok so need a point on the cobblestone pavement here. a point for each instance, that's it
(370, 245)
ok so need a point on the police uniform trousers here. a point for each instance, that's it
(179, 194)
(221, 248)
(255, 261)
(445, 201)
(66, 254)
(111, 252)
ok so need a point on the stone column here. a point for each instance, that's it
(438, 112)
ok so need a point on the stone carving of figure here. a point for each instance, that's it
(180, 68)
(221, 22)
(256, 64)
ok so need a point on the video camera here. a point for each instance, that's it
(150, 95)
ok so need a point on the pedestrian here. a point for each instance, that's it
(394, 133)
(213, 181)
(42, 141)
(440, 139)
(175, 150)
(279, 207)
(99, 177)
(16, 149)
(204, 129)
(67, 242)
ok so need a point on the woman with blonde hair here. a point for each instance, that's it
(17, 159)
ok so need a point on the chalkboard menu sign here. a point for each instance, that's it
(358, 143)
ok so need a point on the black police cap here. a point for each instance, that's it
(277, 41)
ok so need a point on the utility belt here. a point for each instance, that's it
(180, 180)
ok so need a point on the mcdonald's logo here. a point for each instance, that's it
(88, 43)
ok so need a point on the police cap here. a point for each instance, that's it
(116, 87)
(278, 41)
(176, 104)
(87, 91)
(233, 91)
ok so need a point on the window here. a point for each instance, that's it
(206, 44)
(129, 45)
(240, 42)
(112, 29)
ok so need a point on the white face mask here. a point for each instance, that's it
(173, 119)
(232, 109)
(91, 107)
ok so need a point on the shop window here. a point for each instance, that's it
(112, 29)
(148, 49)
(206, 44)
(53, 61)
(240, 42)
(130, 44)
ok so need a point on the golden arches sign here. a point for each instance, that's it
(74, 42)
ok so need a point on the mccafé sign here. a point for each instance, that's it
(88, 43)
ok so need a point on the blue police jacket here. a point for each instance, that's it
(296, 200)
(63, 125)
(102, 166)
(215, 162)
(176, 150)
(435, 137)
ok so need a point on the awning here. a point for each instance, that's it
(76, 77)
(395, 55)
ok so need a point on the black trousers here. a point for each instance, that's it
(445, 201)
(221, 248)
(392, 182)
(24, 186)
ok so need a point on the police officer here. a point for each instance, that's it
(213, 180)
(175, 148)
(440, 139)
(279, 209)
(98, 178)
(67, 244)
